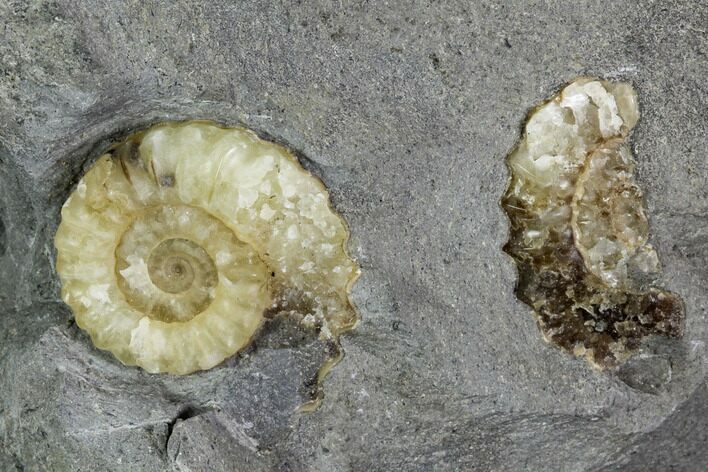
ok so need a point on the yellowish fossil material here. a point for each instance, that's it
(177, 242)
(579, 233)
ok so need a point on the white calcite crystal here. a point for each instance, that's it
(579, 233)
(176, 243)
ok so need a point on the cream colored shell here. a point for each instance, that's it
(176, 243)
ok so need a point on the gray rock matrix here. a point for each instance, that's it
(406, 110)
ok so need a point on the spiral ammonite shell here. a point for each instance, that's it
(177, 241)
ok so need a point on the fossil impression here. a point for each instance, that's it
(177, 242)
(578, 229)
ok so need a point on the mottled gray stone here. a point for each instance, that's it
(406, 110)
(215, 442)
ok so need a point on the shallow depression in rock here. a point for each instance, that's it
(3, 237)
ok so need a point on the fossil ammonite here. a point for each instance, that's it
(579, 233)
(179, 239)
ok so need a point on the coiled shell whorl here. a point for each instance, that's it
(176, 243)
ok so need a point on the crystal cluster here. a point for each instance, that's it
(578, 230)
(180, 240)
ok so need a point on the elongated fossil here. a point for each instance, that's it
(579, 233)
(180, 239)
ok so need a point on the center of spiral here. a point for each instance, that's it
(172, 264)
(165, 261)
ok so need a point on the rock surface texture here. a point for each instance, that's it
(407, 112)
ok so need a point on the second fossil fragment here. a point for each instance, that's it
(579, 233)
